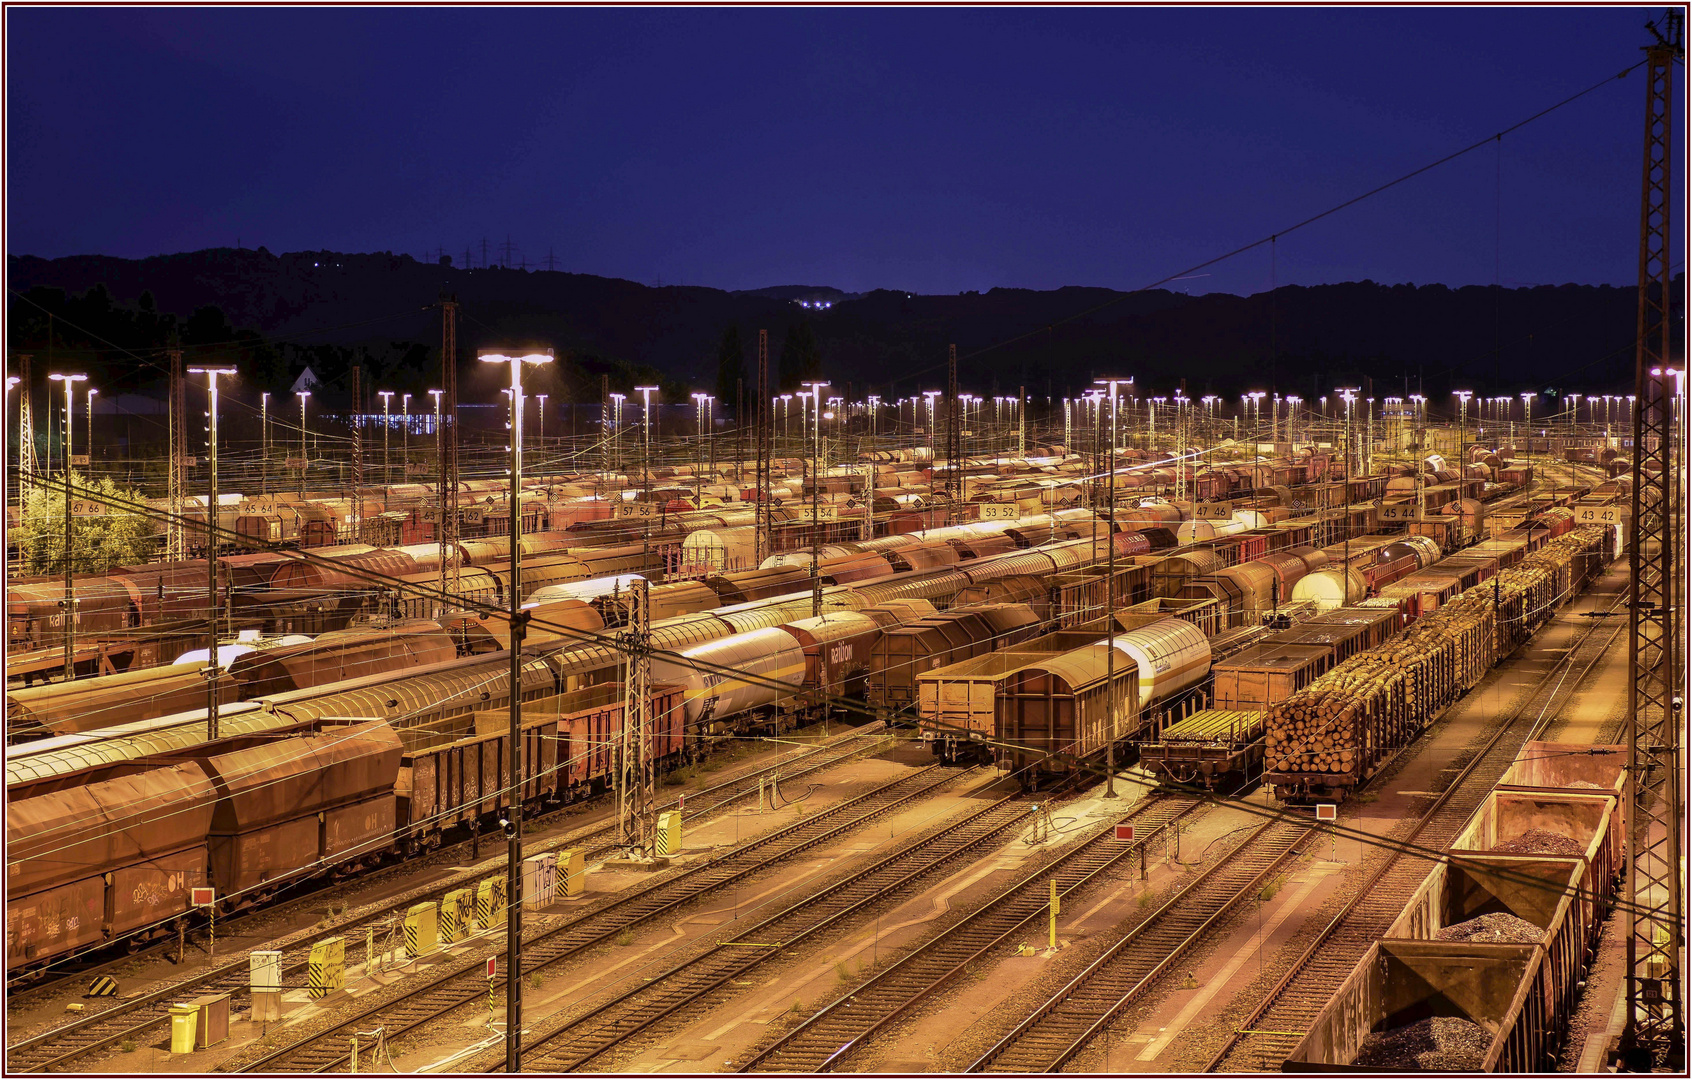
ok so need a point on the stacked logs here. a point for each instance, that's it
(1337, 729)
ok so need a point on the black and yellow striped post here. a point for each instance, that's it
(572, 873)
(454, 923)
(327, 972)
(669, 833)
(420, 929)
(490, 902)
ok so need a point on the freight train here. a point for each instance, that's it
(1346, 725)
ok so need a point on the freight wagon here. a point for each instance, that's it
(116, 859)
(1219, 750)
(1344, 726)
(1538, 863)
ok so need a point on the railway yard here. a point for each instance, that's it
(1184, 750)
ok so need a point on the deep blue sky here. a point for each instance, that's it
(931, 150)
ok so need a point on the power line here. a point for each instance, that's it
(1272, 237)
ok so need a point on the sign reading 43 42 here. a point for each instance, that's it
(1598, 515)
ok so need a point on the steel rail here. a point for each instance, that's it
(662, 996)
(1061, 1027)
(109, 1027)
(1284, 1014)
(466, 983)
(826, 1037)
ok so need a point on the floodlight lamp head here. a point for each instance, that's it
(500, 356)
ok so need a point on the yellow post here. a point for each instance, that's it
(572, 872)
(420, 934)
(327, 970)
(670, 833)
(1052, 942)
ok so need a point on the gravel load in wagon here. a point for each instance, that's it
(1498, 927)
(1541, 842)
(1437, 1043)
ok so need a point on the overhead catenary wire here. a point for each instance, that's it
(1273, 236)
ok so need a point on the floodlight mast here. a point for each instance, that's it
(514, 799)
(1110, 602)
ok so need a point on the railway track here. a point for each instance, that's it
(1276, 1024)
(466, 983)
(829, 1035)
(662, 996)
(136, 1019)
(1061, 1027)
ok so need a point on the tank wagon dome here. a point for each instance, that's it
(765, 666)
(1331, 588)
(1173, 655)
(586, 590)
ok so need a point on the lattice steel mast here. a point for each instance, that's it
(1654, 1032)
(446, 451)
(761, 508)
(954, 437)
(176, 537)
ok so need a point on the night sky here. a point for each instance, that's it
(929, 150)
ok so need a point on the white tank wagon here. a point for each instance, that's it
(1332, 587)
(1172, 655)
(768, 667)
(587, 590)
(1199, 529)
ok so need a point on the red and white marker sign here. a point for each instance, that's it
(202, 896)
(1327, 811)
(493, 966)
(1125, 832)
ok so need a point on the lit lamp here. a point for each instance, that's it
(519, 618)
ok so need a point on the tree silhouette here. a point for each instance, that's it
(800, 358)
(731, 368)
